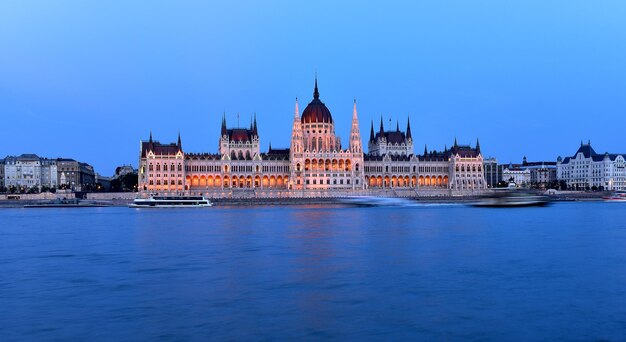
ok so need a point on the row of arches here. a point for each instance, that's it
(468, 167)
(390, 182)
(240, 155)
(406, 181)
(328, 165)
(441, 181)
(237, 181)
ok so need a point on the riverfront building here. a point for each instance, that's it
(315, 164)
(28, 171)
(587, 170)
(31, 171)
(538, 174)
(493, 172)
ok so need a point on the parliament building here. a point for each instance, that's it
(315, 165)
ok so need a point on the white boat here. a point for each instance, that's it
(171, 202)
(374, 201)
(512, 198)
(618, 196)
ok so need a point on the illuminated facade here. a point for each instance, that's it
(590, 170)
(315, 164)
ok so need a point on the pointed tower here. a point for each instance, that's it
(477, 146)
(150, 143)
(254, 127)
(224, 132)
(408, 128)
(355, 135)
(372, 132)
(425, 150)
(316, 93)
(179, 144)
(296, 181)
(397, 126)
(382, 128)
(356, 148)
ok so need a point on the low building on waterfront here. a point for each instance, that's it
(516, 175)
(315, 165)
(542, 173)
(588, 170)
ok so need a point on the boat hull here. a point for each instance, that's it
(158, 206)
(154, 202)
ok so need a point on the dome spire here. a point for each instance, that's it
(316, 93)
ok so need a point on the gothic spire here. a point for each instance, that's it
(397, 126)
(180, 144)
(408, 128)
(425, 150)
(455, 143)
(382, 128)
(256, 132)
(224, 123)
(372, 131)
(150, 136)
(477, 146)
(355, 134)
(316, 93)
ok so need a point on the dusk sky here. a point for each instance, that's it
(89, 79)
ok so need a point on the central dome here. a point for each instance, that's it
(316, 111)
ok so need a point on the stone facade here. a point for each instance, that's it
(74, 175)
(517, 175)
(29, 171)
(315, 164)
(587, 169)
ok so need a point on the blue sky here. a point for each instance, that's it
(89, 79)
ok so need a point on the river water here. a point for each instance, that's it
(432, 272)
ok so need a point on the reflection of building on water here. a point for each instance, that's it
(316, 163)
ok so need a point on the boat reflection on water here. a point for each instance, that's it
(374, 201)
(508, 198)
